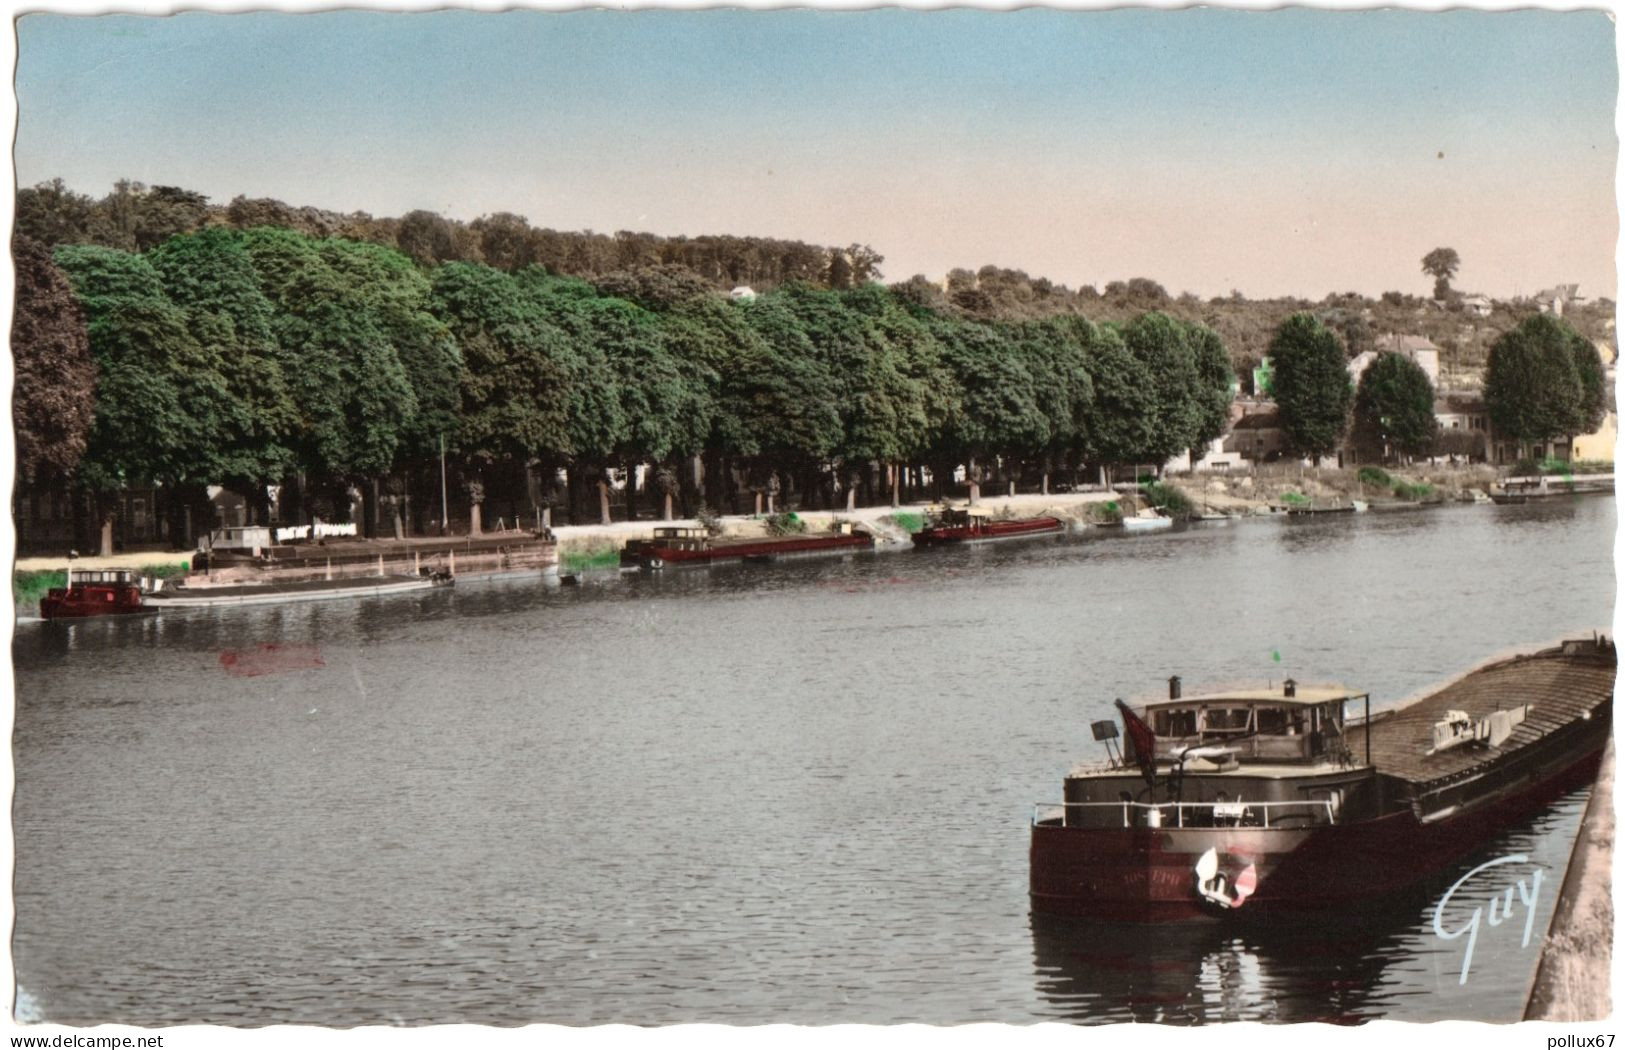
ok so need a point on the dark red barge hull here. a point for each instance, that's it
(993, 530)
(91, 600)
(1146, 874)
(656, 557)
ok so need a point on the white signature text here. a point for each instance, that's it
(1501, 907)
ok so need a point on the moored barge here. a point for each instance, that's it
(1546, 487)
(1269, 801)
(951, 525)
(260, 555)
(203, 596)
(679, 546)
(94, 592)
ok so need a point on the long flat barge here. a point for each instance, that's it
(1275, 799)
(951, 526)
(196, 597)
(1547, 487)
(252, 558)
(677, 547)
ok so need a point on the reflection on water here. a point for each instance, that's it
(1386, 961)
(794, 792)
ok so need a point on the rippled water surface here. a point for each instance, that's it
(780, 793)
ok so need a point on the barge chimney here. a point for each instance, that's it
(1173, 688)
(1291, 687)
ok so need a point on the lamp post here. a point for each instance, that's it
(442, 484)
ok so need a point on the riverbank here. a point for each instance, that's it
(583, 547)
(1254, 494)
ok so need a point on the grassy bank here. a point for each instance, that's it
(579, 555)
(27, 588)
(907, 520)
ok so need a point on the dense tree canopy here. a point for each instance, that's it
(1215, 386)
(1393, 406)
(54, 375)
(1311, 383)
(353, 390)
(1543, 382)
(164, 411)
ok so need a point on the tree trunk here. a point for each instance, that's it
(106, 539)
(708, 481)
(572, 494)
(603, 499)
(474, 524)
(631, 492)
(395, 512)
(896, 484)
(76, 518)
(369, 509)
(666, 515)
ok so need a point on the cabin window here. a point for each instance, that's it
(1175, 723)
(1225, 719)
(1273, 720)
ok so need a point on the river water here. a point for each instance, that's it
(791, 793)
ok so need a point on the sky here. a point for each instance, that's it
(1284, 152)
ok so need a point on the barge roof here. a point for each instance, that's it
(1304, 695)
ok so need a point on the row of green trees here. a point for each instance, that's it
(265, 356)
(1544, 381)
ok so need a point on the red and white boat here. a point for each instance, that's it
(94, 592)
(1263, 801)
(949, 525)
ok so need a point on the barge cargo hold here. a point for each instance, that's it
(676, 546)
(246, 555)
(1269, 801)
(204, 597)
(954, 525)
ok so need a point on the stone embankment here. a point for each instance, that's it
(1572, 983)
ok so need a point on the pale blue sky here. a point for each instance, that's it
(1274, 152)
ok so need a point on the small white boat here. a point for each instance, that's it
(1146, 521)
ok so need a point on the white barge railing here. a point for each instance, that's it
(1192, 814)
